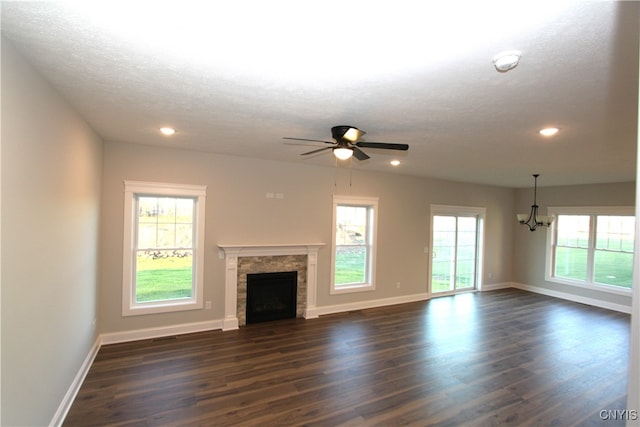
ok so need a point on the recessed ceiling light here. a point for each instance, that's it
(548, 131)
(167, 131)
(394, 162)
(507, 60)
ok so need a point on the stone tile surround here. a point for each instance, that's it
(271, 264)
(268, 259)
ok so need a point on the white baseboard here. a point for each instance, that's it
(360, 305)
(72, 392)
(149, 333)
(163, 331)
(571, 297)
(495, 286)
(118, 337)
(230, 323)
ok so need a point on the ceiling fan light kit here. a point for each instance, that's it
(343, 153)
(347, 143)
(350, 133)
(533, 220)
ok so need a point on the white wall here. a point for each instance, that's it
(633, 389)
(51, 183)
(238, 212)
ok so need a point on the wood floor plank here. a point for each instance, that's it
(500, 358)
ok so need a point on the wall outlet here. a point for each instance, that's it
(207, 305)
(398, 285)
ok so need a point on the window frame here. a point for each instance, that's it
(371, 204)
(133, 190)
(480, 214)
(552, 232)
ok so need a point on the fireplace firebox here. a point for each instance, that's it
(271, 296)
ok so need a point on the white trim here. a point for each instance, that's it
(120, 337)
(495, 286)
(269, 250)
(163, 331)
(571, 297)
(633, 382)
(74, 388)
(233, 252)
(352, 288)
(590, 211)
(133, 189)
(361, 305)
(458, 211)
(609, 289)
(371, 203)
(455, 210)
(187, 328)
(165, 189)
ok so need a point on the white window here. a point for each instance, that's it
(163, 258)
(592, 247)
(354, 249)
(456, 248)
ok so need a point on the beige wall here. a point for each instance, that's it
(51, 173)
(54, 171)
(530, 248)
(238, 212)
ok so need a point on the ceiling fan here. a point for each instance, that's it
(347, 143)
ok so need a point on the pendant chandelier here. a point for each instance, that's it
(533, 220)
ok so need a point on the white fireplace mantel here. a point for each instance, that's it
(233, 252)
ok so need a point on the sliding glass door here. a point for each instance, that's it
(455, 249)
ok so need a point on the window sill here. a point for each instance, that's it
(161, 307)
(348, 289)
(615, 290)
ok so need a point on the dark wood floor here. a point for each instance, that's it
(501, 358)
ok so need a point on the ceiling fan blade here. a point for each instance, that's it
(359, 154)
(316, 151)
(310, 140)
(308, 145)
(385, 145)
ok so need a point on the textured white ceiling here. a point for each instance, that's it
(236, 77)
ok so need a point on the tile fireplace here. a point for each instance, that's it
(242, 260)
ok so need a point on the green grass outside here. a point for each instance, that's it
(350, 265)
(163, 278)
(611, 268)
(171, 278)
